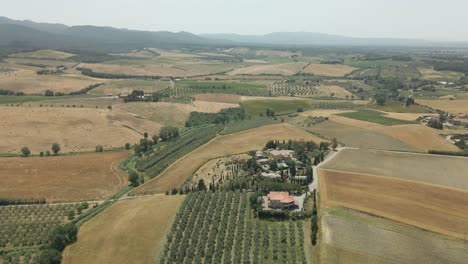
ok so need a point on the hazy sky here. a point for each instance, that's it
(427, 19)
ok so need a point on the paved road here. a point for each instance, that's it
(314, 185)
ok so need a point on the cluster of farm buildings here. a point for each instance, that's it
(280, 200)
(281, 158)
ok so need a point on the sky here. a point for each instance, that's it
(440, 20)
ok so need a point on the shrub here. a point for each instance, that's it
(99, 148)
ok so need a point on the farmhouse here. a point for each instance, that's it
(281, 200)
(281, 154)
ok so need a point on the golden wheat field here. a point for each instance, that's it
(75, 129)
(333, 70)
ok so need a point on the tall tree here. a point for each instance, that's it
(55, 148)
(25, 152)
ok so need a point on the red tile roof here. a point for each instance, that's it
(283, 197)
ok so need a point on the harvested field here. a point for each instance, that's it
(136, 69)
(74, 102)
(375, 117)
(451, 106)
(431, 169)
(220, 98)
(357, 137)
(44, 54)
(431, 207)
(334, 70)
(162, 67)
(62, 178)
(433, 75)
(336, 91)
(115, 87)
(75, 129)
(130, 231)
(406, 116)
(351, 237)
(278, 53)
(50, 63)
(27, 81)
(418, 136)
(221, 146)
(171, 113)
(277, 69)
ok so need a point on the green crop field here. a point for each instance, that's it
(220, 228)
(375, 117)
(253, 122)
(188, 88)
(398, 107)
(256, 107)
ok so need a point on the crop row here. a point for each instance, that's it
(31, 225)
(193, 90)
(291, 90)
(219, 227)
(173, 150)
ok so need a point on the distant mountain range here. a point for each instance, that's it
(44, 35)
(309, 38)
(29, 34)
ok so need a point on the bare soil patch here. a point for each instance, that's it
(130, 231)
(75, 129)
(335, 70)
(62, 178)
(221, 146)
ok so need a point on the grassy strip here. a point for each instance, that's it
(375, 117)
(257, 107)
(92, 213)
(398, 107)
(449, 153)
(13, 155)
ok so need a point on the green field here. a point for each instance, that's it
(253, 122)
(220, 228)
(257, 107)
(398, 107)
(375, 117)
